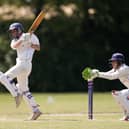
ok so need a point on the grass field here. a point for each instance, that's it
(62, 111)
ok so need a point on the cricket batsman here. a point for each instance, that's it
(25, 45)
(119, 71)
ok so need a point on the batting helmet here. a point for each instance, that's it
(18, 28)
(117, 57)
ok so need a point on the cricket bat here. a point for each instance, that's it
(37, 21)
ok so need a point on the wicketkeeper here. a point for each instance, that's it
(119, 71)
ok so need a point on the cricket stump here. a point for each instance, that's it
(90, 99)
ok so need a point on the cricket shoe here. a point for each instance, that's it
(36, 115)
(125, 118)
(18, 100)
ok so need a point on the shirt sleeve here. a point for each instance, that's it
(109, 75)
(112, 74)
(11, 45)
(35, 39)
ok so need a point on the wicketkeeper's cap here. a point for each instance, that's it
(117, 57)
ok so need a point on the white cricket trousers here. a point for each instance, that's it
(122, 98)
(9, 84)
(21, 71)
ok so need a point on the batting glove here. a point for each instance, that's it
(26, 37)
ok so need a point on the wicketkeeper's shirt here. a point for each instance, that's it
(122, 74)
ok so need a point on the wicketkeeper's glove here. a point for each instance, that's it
(89, 74)
(95, 73)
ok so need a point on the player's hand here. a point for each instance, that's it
(94, 73)
(26, 37)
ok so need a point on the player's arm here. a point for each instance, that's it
(36, 47)
(35, 42)
(109, 75)
(25, 38)
(15, 44)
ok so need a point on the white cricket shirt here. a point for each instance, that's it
(25, 51)
(122, 74)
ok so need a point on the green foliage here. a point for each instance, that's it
(15, 2)
(5, 56)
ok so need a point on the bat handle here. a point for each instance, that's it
(31, 32)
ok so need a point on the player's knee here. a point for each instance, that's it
(125, 92)
(5, 79)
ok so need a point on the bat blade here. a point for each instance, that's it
(37, 21)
